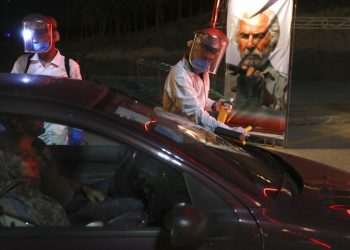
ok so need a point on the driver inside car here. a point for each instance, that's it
(82, 203)
(21, 201)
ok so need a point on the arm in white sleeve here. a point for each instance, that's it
(19, 66)
(74, 70)
(209, 104)
(184, 98)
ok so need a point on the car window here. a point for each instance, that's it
(232, 161)
(59, 134)
(96, 181)
(105, 184)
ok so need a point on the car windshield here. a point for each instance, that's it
(263, 174)
(258, 171)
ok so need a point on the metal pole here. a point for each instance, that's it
(214, 15)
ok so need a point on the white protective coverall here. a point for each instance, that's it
(186, 93)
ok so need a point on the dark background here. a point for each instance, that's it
(108, 37)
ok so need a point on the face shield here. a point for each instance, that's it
(37, 36)
(208, 48)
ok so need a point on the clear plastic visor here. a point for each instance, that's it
(207, 52)
(37, 36)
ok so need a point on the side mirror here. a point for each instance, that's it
(188, 225)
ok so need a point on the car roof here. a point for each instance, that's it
(52, 88)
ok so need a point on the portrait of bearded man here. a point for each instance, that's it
(254, 82)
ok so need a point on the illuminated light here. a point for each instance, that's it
(147, 124)
(168, 158)
(340, 207)
(309, 229)
(27, 34)
(320, 243)
(164, 156)
(286, 191)
(166, 151)
(263, 178)
(25, 79)
(8, 34)
(176, 162)
(257, 204)
(269, 190)
(178, 158)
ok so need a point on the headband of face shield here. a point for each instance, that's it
(207, 51)
(37, 36)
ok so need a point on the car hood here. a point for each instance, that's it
(325, 190)
(317, 217)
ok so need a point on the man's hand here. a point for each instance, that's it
(256, 73)
(241, 130)
(92, 194)
(221, 102)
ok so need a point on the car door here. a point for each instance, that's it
(168, 192)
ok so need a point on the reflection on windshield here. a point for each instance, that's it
(210, 139)
(197, 132)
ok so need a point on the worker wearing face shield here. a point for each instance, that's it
(186, 89)
(40, 36)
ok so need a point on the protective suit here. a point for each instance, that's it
(187, 85)
(186, 93)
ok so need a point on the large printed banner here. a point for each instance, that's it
(257, 63)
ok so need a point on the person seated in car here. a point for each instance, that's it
(20, 196)
(81, 202)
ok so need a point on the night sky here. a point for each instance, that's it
(13, 11)
(11, 16)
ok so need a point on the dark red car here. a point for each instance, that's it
(199, 190)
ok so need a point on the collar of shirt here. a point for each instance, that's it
(55, 61)
(186, 64)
